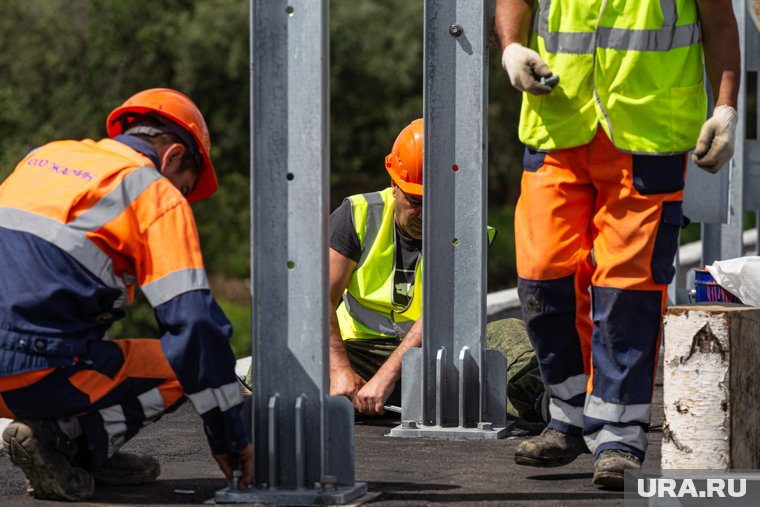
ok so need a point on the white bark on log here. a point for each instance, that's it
(710, 392)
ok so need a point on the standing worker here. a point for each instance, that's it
(376, 292)
(614, 99)
(82, 222)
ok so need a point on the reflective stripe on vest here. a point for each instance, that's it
(367, 309)
(666, 38)
(372, 223)
(374, 320)
(630, 67)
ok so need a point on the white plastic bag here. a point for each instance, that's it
(740, 277)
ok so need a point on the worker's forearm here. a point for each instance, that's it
(720, 41)
(513, 19)
(338, 356)
(391, 369)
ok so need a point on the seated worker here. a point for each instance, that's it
(376, 290)
(82, 222)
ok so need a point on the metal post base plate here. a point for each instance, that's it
(337, 496)
(451, 433)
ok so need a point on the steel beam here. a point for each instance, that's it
(454, 387)
(302, 438)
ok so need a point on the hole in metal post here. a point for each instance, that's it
(290, 176)
(289, 10)
(751, 108)
(291, 265)
(455, 168)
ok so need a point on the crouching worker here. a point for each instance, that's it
(376, 291)
(82, 222)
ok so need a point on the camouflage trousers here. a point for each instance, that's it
(524, 386)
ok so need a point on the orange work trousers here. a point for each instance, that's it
(102, 400)
(596, 234)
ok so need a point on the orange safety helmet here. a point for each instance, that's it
(404, 162)
(181, 110)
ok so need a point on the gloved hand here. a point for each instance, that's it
(715, 145)
(525, 69)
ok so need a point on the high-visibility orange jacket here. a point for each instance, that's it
(82, 222)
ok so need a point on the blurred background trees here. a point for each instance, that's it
(65, 64)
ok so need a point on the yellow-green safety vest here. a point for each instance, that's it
(635, 67)
(367, 309)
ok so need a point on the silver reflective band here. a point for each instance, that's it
(375, 208)
(224, 397)
(152, 404)
(374, 320)
(630, 435)
(606, 411)
(172, 285)
(116, 201)
(569, 388)
(114, 422)
(74, 243)
(666, 38)
(561, 411)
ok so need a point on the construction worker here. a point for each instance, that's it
(613, 100)
(375, 287)
(82, 222)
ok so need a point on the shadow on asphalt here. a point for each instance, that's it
(500, 498)
(191, 490)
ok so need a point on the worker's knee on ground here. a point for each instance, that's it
(509, 336)
(523, 376)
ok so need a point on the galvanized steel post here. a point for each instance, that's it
(453, 387)
(302, 438)
(749, 32)
(718, 201)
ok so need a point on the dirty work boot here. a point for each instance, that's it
(551, 448)
(43, 452)
(610, 467)
(125, 468)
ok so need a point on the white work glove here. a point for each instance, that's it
(525, 69)
(715, 145)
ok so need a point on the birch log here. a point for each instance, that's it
(711, 390)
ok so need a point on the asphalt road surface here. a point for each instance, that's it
(399, 471)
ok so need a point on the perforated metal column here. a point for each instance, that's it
(302, 438)
(453, 387)
(749, 111)
(724, 240)
(718, 201)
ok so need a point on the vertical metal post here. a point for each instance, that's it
(302, 438)
(751, 119)
(725, 241)
(454, 387)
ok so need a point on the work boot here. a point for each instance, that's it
(125, 468)
(552, 448)
(610, 467)
(43, 452)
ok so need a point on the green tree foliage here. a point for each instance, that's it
(66, 63)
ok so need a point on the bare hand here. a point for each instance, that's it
(244, 461)
(345, 382)
(371, 398)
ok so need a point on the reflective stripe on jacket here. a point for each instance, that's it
(367, 309)
(81, 222)
(634, 67)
